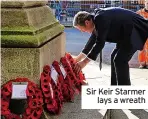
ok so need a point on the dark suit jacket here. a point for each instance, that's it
(116, 25)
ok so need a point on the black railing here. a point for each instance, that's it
(64, 11)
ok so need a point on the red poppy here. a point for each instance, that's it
(52, 106)
(46, 69)
(28, 111)
(33, 103)
(5, 112)
(8, 86)
(30, 90)
(40, 102)
(45, 87)
(4, 105)
(5, 92)
(13, 116)
(39, 111)
(36, 114)
(47, 94)
(45, 79)
(48, 100)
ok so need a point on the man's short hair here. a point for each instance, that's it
(81, 17)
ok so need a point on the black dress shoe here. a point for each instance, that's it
(142, 67)
(146, 66)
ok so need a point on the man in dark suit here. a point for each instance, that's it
(117, 25)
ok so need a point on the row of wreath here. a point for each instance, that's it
(51, 94)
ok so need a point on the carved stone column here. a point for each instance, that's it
(31, 37)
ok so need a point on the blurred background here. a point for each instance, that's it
(64, 10)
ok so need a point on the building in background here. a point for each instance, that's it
(65, 10)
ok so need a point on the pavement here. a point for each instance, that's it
(96, 77)
(75, 41)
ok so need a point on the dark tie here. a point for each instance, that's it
(100, 63)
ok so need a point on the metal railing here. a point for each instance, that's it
(64, 11)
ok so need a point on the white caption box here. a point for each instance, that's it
(114, 97)
(19, 91)
(54, 74)
(63, 71)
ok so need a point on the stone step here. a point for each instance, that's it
(127, 114)
(72, 110)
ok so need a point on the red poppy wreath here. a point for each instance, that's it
(53, 97)
(34, 100)
(65, 83)
(80, 76)
(72, 79)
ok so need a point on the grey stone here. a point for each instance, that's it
(19, 3)
(29, 62)
(28, 27)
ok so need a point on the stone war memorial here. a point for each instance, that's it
(31, 38)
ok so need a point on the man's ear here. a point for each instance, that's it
(87, 22)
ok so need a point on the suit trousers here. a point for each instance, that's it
(119, 65)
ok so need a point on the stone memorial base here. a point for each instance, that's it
(29, 62)
(31, 38)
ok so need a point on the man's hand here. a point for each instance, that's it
(80, 65)
(79, 57)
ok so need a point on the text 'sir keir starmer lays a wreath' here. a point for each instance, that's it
(114, 97)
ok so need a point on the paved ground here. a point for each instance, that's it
(96, 77)
(74, 44)
(138, 77)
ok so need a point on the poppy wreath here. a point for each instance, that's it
(34, 100)
(72, 79)
(80, 76)
(68, 93)
(52, 93)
